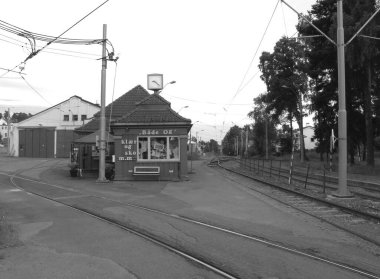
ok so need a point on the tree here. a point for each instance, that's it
(263, 128)
(361, 67)
(20, 116)
(285, 74)
(230, 141)
(212, 146)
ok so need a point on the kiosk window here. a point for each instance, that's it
(158, 148)
(142, 148)
(173, 148)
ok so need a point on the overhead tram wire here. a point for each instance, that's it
(23, 33)
(257, 50)
(241, 87)
(38, 93)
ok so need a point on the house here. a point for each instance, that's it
(49, 133)
(3, 129)
(145, 138)
(309, 139)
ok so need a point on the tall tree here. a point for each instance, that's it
(361, 55)
(285, 74)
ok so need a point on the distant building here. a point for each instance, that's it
(49, 133)
(309, 139)
(3, 129)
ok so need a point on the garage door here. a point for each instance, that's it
(36, 143)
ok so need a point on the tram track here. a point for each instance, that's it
(148, 236)
(338, 215)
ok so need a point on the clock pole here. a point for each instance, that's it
(102, 143)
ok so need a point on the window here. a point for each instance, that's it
(83, 117)
(66, 117)
(75, 117)
(158, 148)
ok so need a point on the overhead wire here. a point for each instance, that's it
(257, 50)
(38, 93)
(50, 39)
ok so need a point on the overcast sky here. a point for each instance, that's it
(206, 46)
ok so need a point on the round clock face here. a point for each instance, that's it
(155, 81)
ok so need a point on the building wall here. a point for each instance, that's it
(53, 118)
(126, 143)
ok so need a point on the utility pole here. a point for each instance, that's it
(102, 143)
(342, 114)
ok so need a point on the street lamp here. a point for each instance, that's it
(171, 82)
(182, 108)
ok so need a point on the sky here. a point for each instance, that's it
(207, 46)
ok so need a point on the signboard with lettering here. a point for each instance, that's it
(129, 150)
(158, 132)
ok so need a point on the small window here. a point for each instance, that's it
(75, 117)
(83, 117)
(66, 117)
(158, 148)
(312, 139)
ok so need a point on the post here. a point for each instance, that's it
(266, 138)
(279, 171)
(9, 129)
(246, 142)
(342, 114)
(191, 154)
(102, 143)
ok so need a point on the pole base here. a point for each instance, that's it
(102, 180)
(342, 195)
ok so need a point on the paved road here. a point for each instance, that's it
(52, 237)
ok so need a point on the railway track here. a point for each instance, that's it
(365, 225)
(198, 259)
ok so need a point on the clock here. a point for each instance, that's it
(155, 82)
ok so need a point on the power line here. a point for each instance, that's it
(205, 102)
(64, 32)
(35, 90)
(35, 36)
(257, 49)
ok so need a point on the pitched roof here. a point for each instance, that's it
(147, 116)
(126, 103)
(154, 99)
(158, 111)
(91, 138)
(74, 96)
(121, 106)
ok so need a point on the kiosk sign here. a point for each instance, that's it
(128, 150)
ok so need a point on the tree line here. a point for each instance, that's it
(301, 78)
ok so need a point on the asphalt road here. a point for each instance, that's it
(56, 242)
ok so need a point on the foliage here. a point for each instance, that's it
(362, 72)
(229, 141)
(211, 146)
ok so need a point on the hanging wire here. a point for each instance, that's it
(50, 39)
(39, 94)
(283, 16)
